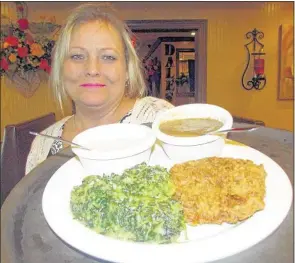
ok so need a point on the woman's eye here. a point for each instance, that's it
(108, 57)
(77, 57)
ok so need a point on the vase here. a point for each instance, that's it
(26, 83)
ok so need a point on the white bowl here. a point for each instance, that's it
(114, 147)
(181, 149)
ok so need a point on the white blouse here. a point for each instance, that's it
(145, 110)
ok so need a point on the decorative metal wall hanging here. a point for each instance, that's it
(258, 78)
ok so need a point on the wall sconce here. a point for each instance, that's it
(258, 80)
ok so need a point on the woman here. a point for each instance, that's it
(96, 66)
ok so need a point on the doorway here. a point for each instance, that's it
(167, 65)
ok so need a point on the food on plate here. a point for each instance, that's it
(136, 205)
(189, 127)
(216, 190)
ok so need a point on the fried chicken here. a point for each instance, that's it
(216, 190)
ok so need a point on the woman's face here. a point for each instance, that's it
(94, 71)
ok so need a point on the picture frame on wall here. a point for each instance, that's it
(286, 62)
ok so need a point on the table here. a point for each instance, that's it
(26, 237)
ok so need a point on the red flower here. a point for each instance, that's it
(23, 23)
(22, 51)
(4, 64)
(12, 41)
(44, 64)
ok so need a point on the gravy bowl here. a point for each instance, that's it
(180, 149)
(114, 147)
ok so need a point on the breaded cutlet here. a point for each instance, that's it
(216, 190)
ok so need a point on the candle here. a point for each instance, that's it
(259, 66)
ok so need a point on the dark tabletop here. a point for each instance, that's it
(26, 237)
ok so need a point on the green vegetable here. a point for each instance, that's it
(136, 205)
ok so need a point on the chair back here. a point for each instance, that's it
(15, 148)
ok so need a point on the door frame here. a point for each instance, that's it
(177, 50)
(200, 26)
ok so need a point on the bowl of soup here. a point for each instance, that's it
(187, 133)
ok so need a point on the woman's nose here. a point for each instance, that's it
(93, 67)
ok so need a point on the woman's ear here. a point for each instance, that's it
(127, 83)
(127, 75)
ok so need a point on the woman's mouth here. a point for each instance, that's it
(92, 85)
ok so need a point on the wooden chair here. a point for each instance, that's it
(15, 148)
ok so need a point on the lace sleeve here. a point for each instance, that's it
(147, 109)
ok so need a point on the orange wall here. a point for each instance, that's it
(226, 62)
(226, 57)
(15, 108)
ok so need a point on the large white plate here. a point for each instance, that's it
(206, 242)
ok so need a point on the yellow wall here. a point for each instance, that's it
(15, 108)
(227, 24)
(226, 62)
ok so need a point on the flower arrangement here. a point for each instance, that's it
(21, 53)
(25, 49)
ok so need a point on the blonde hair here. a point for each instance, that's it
(135, 86)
